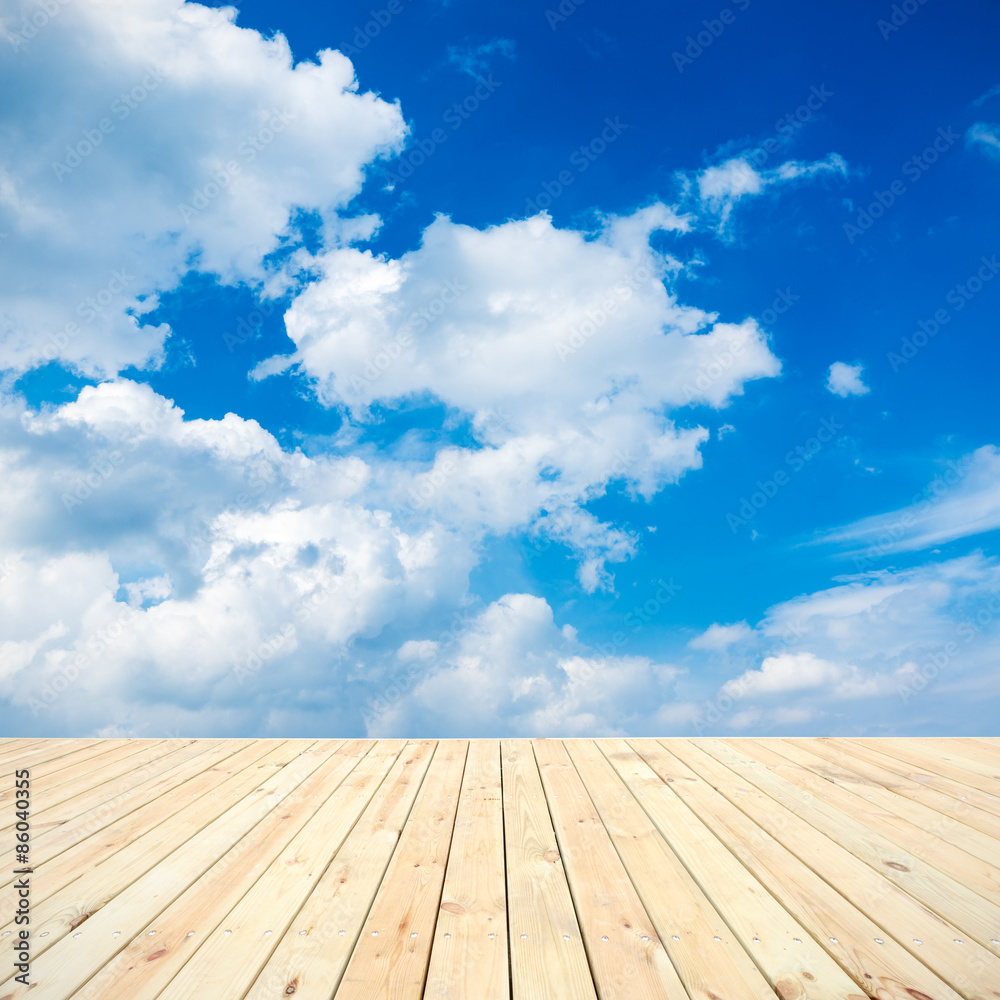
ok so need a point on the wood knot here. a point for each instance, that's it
(895, 864)
(788, 989)
(76, 921)
(551, 856)
(156, 955)
(450, 906)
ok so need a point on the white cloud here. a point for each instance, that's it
(202, 535)
(567, 351)
(985, 136)
(130, 536)
(722, 186)
(788, 672)
(721, 636)
(845, 380)
(994, 91)
(859, 656)
(143, 139)
(514, 672)
(961, 501)
(475, 60)
(308, 599)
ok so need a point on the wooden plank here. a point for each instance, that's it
(40, 753)
(853, 776)
(469, 952)
(72, 960)
(111, 825)
(871, 765)
(90, 755)
(47, 760)
(709, 959)
(86, 776)
(169, 822)
(11, 750)
(986, 751)
(962, 766)
(310, 959)
(947, 776)
(627, 957)
(968, 968)
(237, 920)
(965, 803)
(981, 774)
(122, 798)
(863, 949)
(866, 816)
(794, 964)
(548, 960)
(391, 956)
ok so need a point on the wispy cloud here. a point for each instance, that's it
(985, 137)
(720, 188)
(964, 500)
(477, 59)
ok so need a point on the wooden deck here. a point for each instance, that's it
(707, 869)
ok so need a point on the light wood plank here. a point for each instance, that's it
(90, 776)
(627, 957)
(968, 967)
(391, 956)
(794, 964)
(987, 751)
(11, 750)
(886, 970)
(853, 777)
(71, 961)
(710, 961)
(121, 798)
(42, 752)
(893, 836)
(871, 765)
(949, 778)
(547, 956)
(753, 869)
(47, 760)
(962, 766)
(469, 953)
(170, 822)
(964, 803)
(60, 856)
(310, 959)
(237, 921)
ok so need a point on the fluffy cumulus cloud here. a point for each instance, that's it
(845, 380)
(720, 187)
(851, 658)
(512, 671)
(191, 575)
(144, 139)
(567, 351)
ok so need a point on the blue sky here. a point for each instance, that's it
(447, 369)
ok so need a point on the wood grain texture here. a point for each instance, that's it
(469, 954)
(570, 869)
(547, 957)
